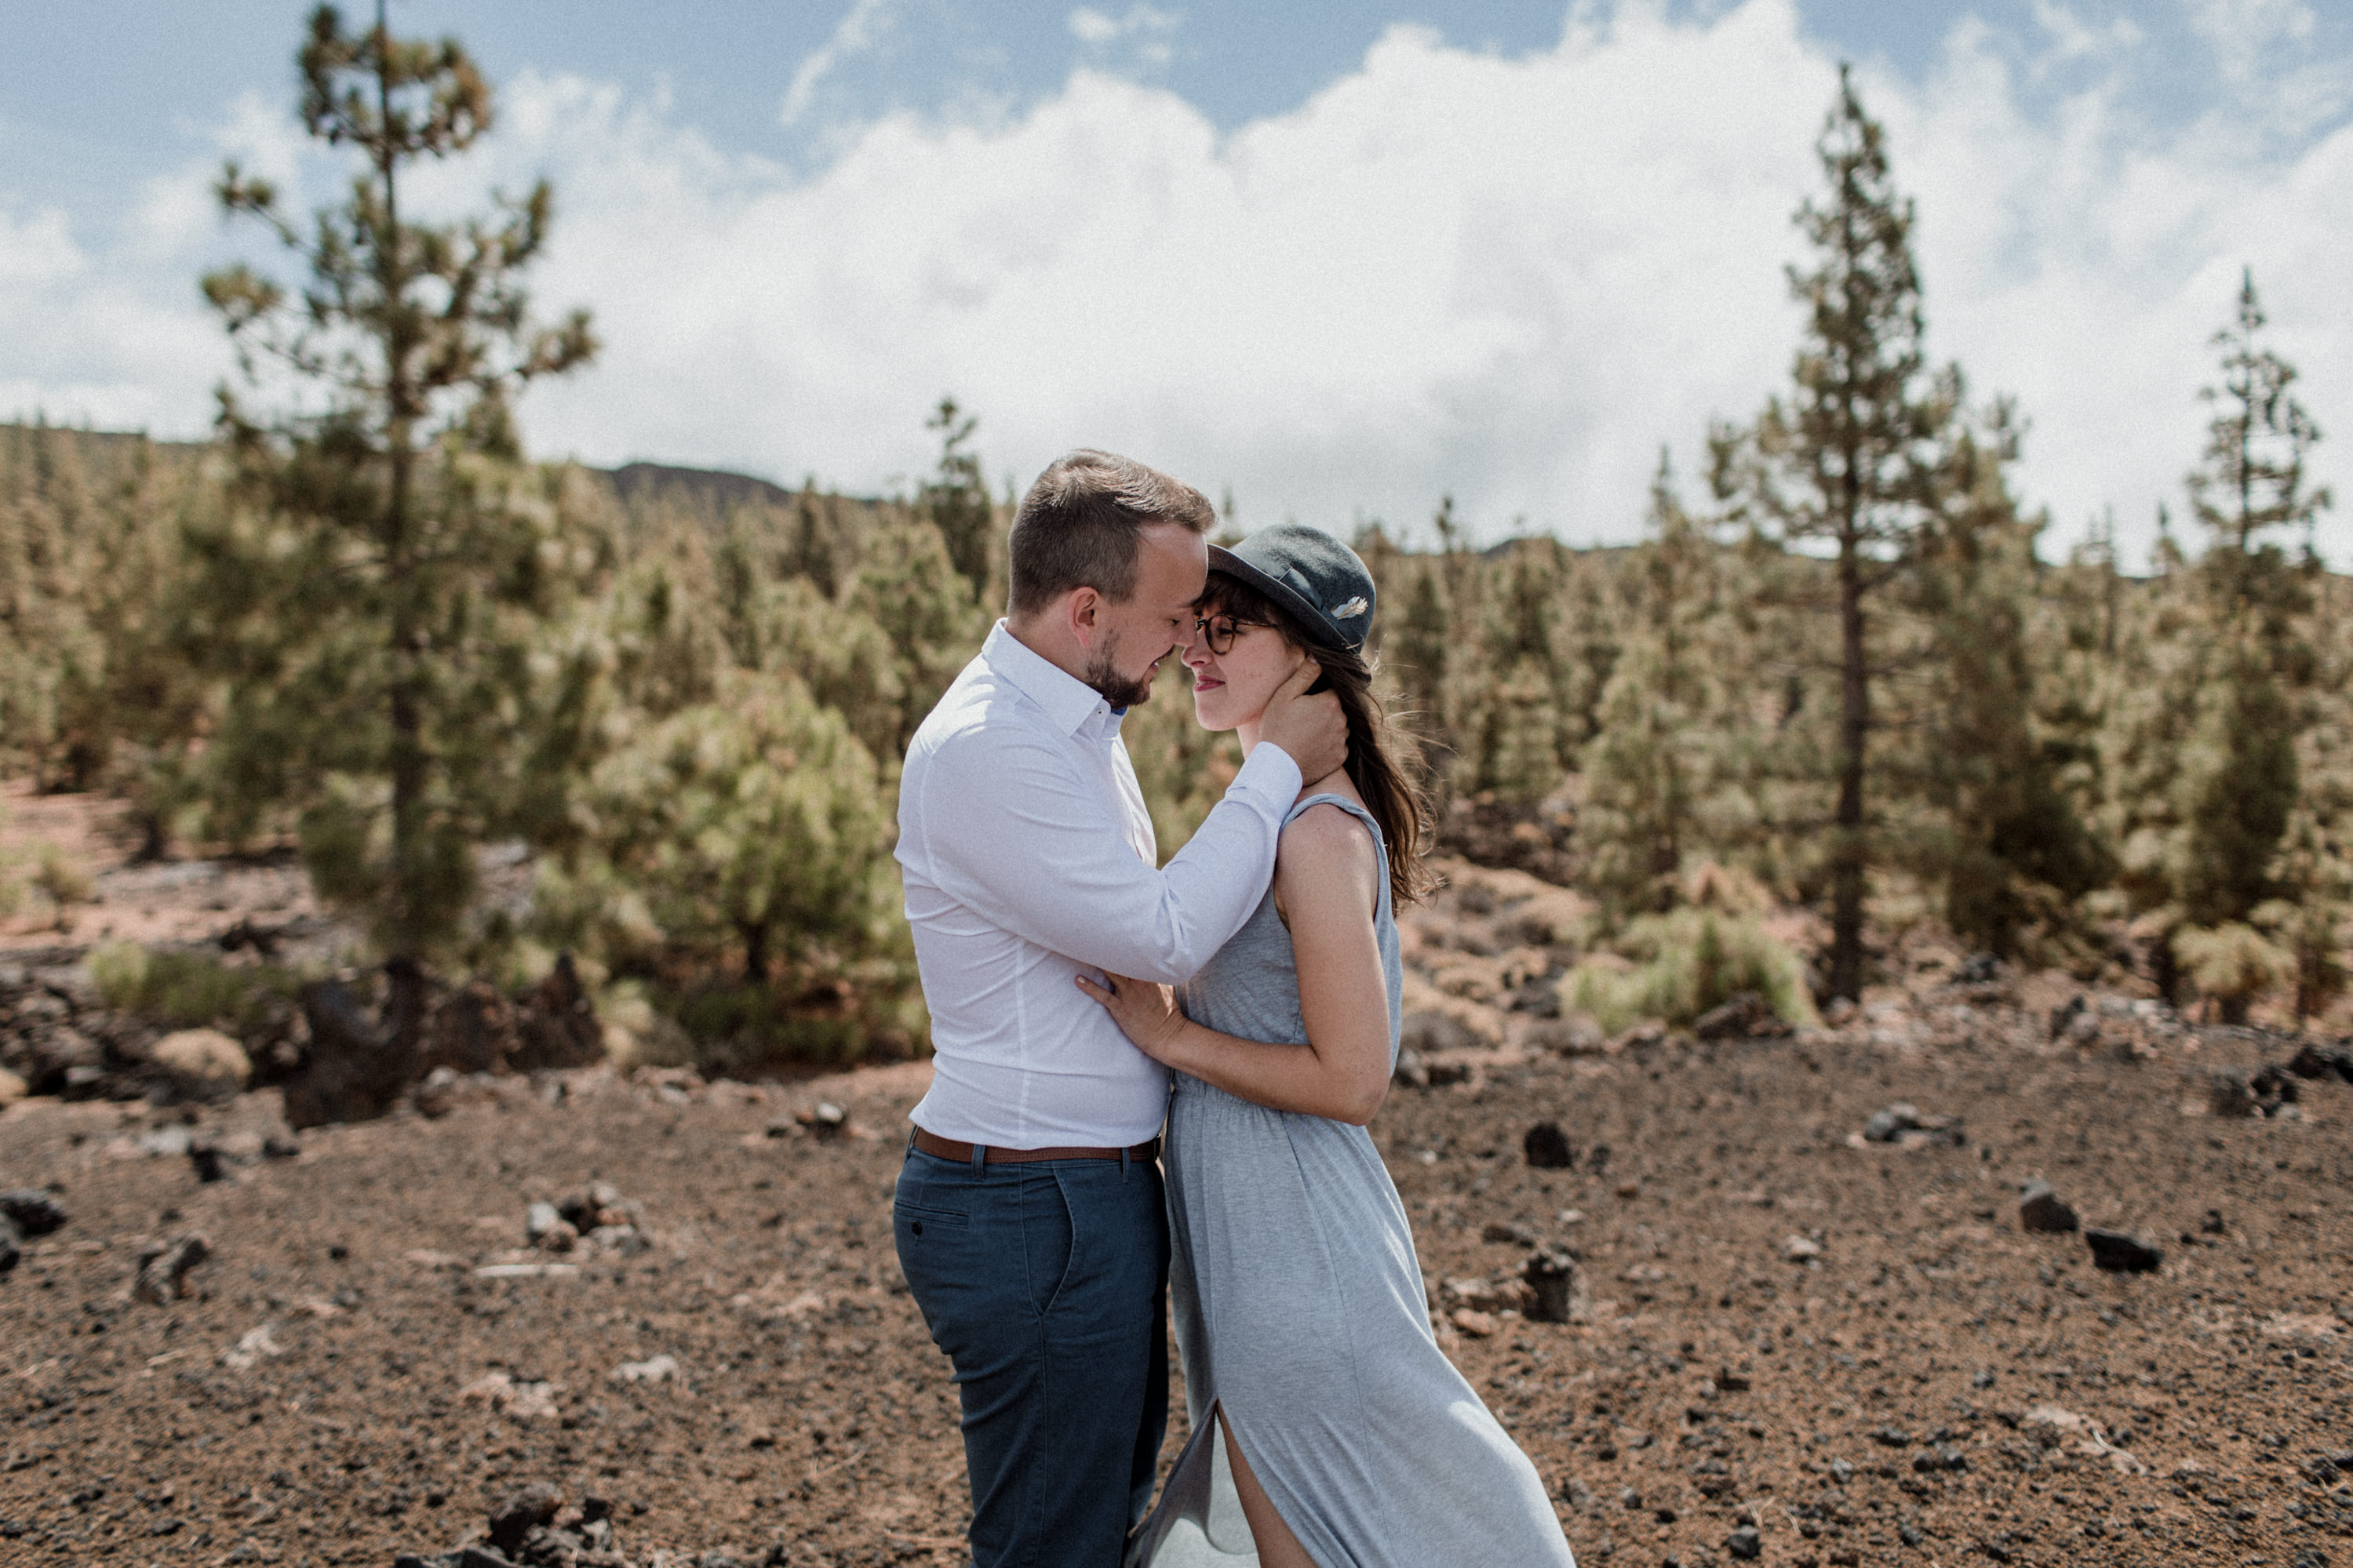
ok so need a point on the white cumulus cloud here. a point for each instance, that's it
(1449, 272)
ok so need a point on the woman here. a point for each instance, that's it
(1351, 1441)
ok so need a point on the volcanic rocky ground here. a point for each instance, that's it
(1787, 1341)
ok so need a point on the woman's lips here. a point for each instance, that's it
(1203, 683)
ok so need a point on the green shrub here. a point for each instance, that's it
(2232, 963)
(1675, 966)
(185, 990)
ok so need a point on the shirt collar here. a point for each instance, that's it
(1068, 702)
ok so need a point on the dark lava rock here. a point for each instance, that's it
(10, 1253)
(1540, 997)
(521, 1514)
(1980, 969)
(1547, 1148)
(206, 1159)
(2272, 1087)
(2233, 1092)
(558, 1026)
(356, 1070)
(1747, 1016)
(163, 1269)
(1745, 1543)
(2118, 1253)
(1891, 1436)
(1944, 1457)
(2313, 1062)
(1551, 1275)
(32, 1210)
(2039, 1208)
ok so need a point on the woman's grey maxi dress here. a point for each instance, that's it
(1299, 1312)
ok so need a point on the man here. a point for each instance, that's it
(1028, 1213)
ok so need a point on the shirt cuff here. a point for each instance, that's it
(1271, 773)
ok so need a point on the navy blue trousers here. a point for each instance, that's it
(1047, 1286)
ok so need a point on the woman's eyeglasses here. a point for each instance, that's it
(1219, 631)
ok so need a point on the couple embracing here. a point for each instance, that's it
(1245, 998)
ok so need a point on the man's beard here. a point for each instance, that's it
(1119, 690)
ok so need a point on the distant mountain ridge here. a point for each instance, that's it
(719, 488)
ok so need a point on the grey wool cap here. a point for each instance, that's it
(1320, 581)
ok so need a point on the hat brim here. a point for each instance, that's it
(1312, 620)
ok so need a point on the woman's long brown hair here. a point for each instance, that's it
(1384, 761)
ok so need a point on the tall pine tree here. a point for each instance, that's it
(375, 607)
(1849, 461)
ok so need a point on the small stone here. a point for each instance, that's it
(2041, 1209)
(653, 1369)
(274, 1148)
(1801, 1248)
(208, 1160)
(482, 1557)
(1508, 1231)
(521, 1514)
(2115, 1252)
(825, 1119)
(1409, 1071)
(2063, 1018)
(32, 1210)
(1547, 1147)
(2227, 1094)
(1745, 1543)
(1944, 1457)
(1886, 1126)
(10, 1253)
(203, 1063)
(1909, 1533)
(1891, 1436)
(11, 1088)
(1478, 1325)
(164, 1270)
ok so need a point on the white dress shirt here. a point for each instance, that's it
(1028, 859)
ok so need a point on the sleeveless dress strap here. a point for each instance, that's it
(1371, 826)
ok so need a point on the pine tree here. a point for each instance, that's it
(1649, 766)
(1848, 460)
(2009, 847)
(2242, 786)
(372, 608)
(955, 500)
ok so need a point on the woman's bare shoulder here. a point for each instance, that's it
(1325, 835)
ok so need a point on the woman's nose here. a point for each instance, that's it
(1196, 649)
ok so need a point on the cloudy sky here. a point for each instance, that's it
(1336, 258)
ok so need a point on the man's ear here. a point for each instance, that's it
(1084, 609)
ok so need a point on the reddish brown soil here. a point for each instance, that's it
(809, 1409)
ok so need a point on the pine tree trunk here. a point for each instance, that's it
(1847, 849)
(755, 951)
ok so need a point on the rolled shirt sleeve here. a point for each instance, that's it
(1016, 834)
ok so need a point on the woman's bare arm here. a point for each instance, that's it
(1327, 878)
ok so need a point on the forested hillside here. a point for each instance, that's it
(1848, 674)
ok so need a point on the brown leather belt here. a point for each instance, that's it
(949, 1149)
